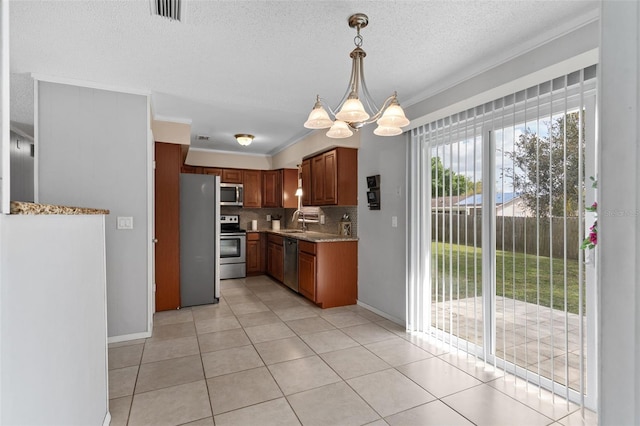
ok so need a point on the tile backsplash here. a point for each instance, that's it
(247, 215)
(332, 216)
(331, 226)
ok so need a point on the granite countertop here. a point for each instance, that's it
(314, 237)
(23, 207)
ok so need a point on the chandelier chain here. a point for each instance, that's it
(357, 40)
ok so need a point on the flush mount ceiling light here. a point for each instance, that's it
(357, 107)
(244, 139)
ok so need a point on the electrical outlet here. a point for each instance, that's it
(268, 218)
(394, 221)
(321, 219)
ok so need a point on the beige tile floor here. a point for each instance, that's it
(265, 356)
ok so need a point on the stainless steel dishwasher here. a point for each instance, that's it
(291, 263)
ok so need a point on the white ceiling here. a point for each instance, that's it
(255, 66)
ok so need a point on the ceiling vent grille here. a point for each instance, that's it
(202, 137)
(171, 9)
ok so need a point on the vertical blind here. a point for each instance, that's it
(498, 210)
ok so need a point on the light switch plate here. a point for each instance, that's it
(124, 222)
(321, 219)
(268, 218)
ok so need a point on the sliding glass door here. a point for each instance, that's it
(501, 197)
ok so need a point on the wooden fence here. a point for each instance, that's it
(518, 233)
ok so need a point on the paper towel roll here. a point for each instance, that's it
(254, 225)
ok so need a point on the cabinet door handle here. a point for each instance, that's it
(154, 241)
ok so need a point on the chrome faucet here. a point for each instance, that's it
(294, 218)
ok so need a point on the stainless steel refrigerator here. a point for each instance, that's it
(199, 239)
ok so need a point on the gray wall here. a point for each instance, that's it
(92, 152)
(619, 193)
(382, 248)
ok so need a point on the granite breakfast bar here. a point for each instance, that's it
(23, 207)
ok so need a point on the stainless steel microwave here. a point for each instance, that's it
(231, 194)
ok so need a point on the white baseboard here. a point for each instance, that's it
(107, 419)
(127, 337)
(383, 314)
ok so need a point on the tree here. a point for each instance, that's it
(541, 168)
(446, 182)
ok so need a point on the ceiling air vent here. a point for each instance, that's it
(202, 138)
(171, 9)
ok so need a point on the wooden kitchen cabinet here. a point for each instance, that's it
(255, 253)
(279, 188)
(323, 177)
(275, 257)
(334, 178)
(212, 171)
(232, 175)
(271, 188)
(187, 168)
(306, 182)
(307, 269)
(252, 188)
(168, 159)
(328, 272)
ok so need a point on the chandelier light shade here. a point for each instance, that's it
(319, 118)
(357, 108)
(244, 139)
(339, 130)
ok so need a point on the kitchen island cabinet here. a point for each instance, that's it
(328, 272)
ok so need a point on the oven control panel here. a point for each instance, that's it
(230, 218)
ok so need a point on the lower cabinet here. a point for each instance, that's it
(307, 266)
(255, 253)
(328, 272)
(275, 257)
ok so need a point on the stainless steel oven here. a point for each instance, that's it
(233, 248)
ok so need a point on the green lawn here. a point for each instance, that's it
(525, 277)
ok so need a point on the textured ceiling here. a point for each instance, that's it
(255, 66)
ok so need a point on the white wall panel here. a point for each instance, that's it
(54, 344)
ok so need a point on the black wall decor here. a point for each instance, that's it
(373, 192)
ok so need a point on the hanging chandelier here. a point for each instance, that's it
(357, 108)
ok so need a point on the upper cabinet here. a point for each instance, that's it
(334, 178)
(191, 169)
(279, 187)
(252, 188)
(306, 182)
(262, 188)
(212, 171)
(232, 175)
